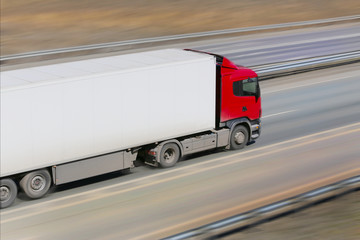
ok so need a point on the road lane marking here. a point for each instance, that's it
(173, 177)
(307, 84)
(252, 205)
(280, 113)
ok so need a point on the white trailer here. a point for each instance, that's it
(82, 119)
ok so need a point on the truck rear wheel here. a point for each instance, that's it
(36, 184)
(239, 137)
(170, 154)
(8, 191)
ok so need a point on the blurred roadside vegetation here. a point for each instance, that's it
(31, 25)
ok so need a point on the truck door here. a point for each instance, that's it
(245, 100)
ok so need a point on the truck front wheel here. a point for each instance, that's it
(170, 154)
(239, 137)
(8, 191)
(36, 184)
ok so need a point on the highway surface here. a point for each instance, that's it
(310, 138)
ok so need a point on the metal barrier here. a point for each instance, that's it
(303, 65)
(132, 44)
(220, 228)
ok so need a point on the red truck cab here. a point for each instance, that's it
(238, 98)
(240, 92)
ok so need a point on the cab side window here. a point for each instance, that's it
(247, 87)
(237, 88)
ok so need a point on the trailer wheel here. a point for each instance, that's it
(8, 191)
(239, 137)
(36, 184)
(170, 154)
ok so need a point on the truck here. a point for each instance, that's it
(69, 121)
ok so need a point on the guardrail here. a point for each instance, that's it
(146, 42)
(279, 69)
(304, 65)
(221, 228)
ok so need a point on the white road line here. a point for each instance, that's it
(273, 147)
(280, 113)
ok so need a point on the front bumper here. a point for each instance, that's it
(255, 129)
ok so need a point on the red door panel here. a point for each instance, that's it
(239, 97)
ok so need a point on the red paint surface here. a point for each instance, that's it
(231, 105)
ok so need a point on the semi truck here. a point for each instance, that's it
(70, 121)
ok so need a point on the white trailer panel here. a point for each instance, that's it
(65, 112)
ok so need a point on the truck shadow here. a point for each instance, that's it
(138, 163)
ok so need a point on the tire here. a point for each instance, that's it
(239, 137)
(36, 184)
(8, 191)
(170, 154)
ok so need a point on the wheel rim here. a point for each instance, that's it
(169, 155)
(38, 183)
(239, 137)
(5, 193)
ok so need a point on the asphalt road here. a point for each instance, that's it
(310, 138)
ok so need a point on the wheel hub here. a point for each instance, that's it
(38, 183)
(239, 137)
(5, 193)
(169, 155)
